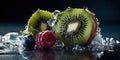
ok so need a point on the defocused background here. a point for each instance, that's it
(14, 14)
(21, 10)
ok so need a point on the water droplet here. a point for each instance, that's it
(59, 45)
(51, 22)
(56, 12)
(10, 41)
(117, 42)
(99, 54)
(78, 48)
(68, 8)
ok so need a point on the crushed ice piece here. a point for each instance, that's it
(10, 42)
(78, 48)
(55, 17)
(117, 42)
(56, 12)
(98, 44)
(51, 22)
(68, 8)
(99, 54)
(59, 45)
(10, 39)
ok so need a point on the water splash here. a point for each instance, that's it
(98, 45)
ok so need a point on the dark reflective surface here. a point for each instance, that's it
(60, 55)
(57, 55)
(48, 55)
(108, 30)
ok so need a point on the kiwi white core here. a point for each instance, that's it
(43, 26)
(72, 27)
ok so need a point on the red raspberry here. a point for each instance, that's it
(45, 39)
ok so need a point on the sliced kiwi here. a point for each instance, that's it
(75, 26)
(38, 22)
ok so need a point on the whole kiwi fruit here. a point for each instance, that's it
(75, 26)
(38, 22)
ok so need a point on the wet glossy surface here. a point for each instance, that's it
(59, 55)
(107, 30)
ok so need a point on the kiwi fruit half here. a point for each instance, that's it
(38, 22)
(75, 26)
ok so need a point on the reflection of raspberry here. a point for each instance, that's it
(44, 55)
(45, 39)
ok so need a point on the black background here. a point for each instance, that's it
(14, 14)
(107, 11)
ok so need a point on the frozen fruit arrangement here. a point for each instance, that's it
(71, 26)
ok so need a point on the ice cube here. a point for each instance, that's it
(59, 44)
(11, 37)
(56, 12)
(99, 54)
(10, 40)
(78, 48)
(117, 42)
(68, 8)
(0, 38)
(51, 22)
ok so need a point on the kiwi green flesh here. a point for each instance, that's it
(38, 20)
(94, 29)
(65, 16)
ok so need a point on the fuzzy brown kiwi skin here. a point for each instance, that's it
(94, 28)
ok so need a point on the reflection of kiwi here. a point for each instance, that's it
(38, 22)
(75, 26)
(69, 55)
